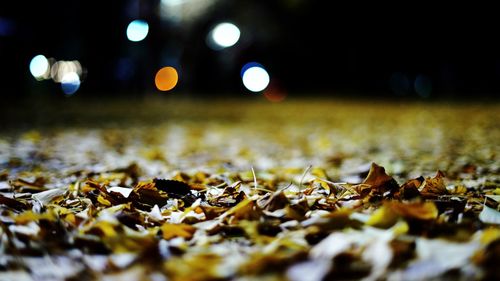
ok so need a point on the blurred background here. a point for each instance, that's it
(218, 48)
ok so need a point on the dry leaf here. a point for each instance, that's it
(434, 186)
(170, 231)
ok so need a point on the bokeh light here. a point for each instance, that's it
(40, 67)
(255, 78)
(166, 78)
(137, 30)
(70, 83)
(60, 68)
(400, 84)
(184, 11)
(274, 93)
(125, 69)
(68, 73)
(423, 86)
(249, 65)
(7, 27)
(223, 35)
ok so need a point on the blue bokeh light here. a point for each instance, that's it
(70, 83)
(137, 30)
(423, 86)
(249, 65)
(400, 84)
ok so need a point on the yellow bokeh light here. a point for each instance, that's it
(166, 78)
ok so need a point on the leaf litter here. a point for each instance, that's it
(240, 201)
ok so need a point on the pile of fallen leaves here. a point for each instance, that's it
(108, 205)
(199, 227)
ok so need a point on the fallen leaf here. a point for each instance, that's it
(125, 192)
(415, 210)
(409, 189)
(383, 217)
(12, 203)
(490, 212)
(387, 215)
(377, 181)
(170, 231)
(45, 197)
(174, 188)
(22, 185)
(434, 186)
(145, 195)
(245, 210)
(376, 176)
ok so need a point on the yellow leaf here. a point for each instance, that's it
(318, 172)
(29, 216)
(103, 200)
(387, 215)
(459, 189)
(34, 136)
(245, 210)
(490, 234)
(416, 210)
(71, 219)
(181, 177)
(400, 228)
(323, 184)
(104, 228)
(384, 217)
(170, 231)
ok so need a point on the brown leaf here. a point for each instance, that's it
(132, 170)
(12, 203)
(22, 185)
(130, 217)
(99, 194)
(212, 212)
(434, 186)
(409, 189)
(376, 176)
(277, 201)
(145, 195)
(488, 260)
(377, 180)
(174, 189)
(403, 251)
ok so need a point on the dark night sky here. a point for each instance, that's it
(308, 47)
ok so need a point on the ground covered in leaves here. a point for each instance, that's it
(316, 190)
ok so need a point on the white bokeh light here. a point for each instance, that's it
(224, 35)
(255, 79)
(39, 67)
(137, 30)
(60, 68)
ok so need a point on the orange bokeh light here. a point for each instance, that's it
(274, 93)
(166, 78)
